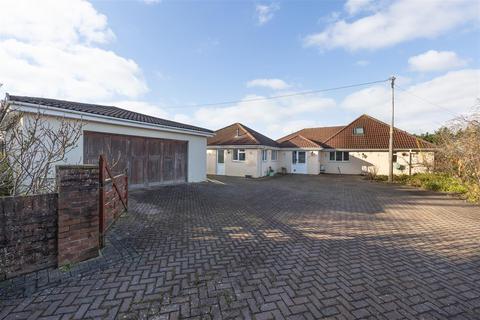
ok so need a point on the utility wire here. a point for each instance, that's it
(276, 97)
(429, 102)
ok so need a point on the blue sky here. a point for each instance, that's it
(151, 56)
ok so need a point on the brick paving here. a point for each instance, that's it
(294, 247)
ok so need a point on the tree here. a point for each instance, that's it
(32, 144)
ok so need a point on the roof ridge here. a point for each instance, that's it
(328, 139)
(110, 111)
(378, 121)
(290, 135)
(247, 131)
(310, 140)
(304, 138)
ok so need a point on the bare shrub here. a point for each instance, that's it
(32, 144)
(459, 149)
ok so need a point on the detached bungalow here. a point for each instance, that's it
(155, 151)
(357, 148)
(237, 150)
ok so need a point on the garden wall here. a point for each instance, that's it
(28, 239)
(49, 230)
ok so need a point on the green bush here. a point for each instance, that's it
(437, 182)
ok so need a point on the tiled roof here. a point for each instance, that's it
(238, 134)
(376, 136)
(109, 111)
(317, 135)
(298, 141)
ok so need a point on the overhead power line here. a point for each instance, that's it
(302, 93)
(427, 101)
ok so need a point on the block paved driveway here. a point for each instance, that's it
(297, 247)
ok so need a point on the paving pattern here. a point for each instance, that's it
(293, 247)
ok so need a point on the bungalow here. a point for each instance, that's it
(237, 150)
(357, 148)
(153, 150)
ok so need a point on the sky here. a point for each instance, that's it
(170, 58)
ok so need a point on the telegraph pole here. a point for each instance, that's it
(390, 144)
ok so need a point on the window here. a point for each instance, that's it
(239, 154)
(274, 155)
(220, 156)
(264, 155)
(358, 131)
(339, 156)
(301, 156)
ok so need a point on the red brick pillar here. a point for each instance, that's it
(78, 230)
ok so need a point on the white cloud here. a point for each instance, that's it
(433, 60)
(356, 6)
(265, 12)
(53, 21)
(50, 48)
(275, 84)
(151, 1)
(401, 21)
(452, 93)
(362, 63)
(277, 116)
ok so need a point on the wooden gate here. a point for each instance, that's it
(113, 196)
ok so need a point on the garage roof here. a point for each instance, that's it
(109, 111)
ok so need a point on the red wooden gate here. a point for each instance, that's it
(113, 196)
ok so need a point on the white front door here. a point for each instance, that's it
(220, 162)
(299, 162)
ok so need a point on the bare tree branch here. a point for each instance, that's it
(32, 145)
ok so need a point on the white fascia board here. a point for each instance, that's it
(85, 116)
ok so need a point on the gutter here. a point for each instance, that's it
(246, 146)
(382, 150)
(53, 111)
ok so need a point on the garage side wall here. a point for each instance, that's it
(196, 145)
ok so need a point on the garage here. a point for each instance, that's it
(155, 151)
(149, 161)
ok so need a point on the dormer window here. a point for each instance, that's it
(358, 131)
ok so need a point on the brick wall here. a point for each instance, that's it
(78, 230)
(28, 234)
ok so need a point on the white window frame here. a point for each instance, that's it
(237, 153)
(274, 152)
(264, 155)
(358, 134)
(335, 156)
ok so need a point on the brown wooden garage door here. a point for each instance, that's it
(149, 161)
